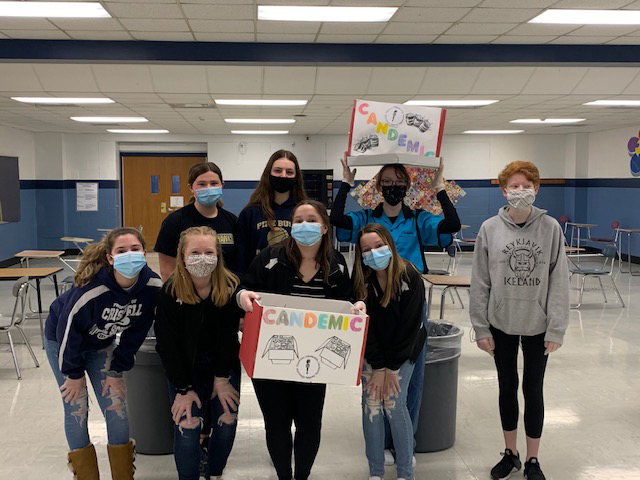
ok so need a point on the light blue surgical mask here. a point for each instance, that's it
(307, 233)
(208, 196)
(377, 258)
(129, 264)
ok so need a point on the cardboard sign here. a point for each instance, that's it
(304, 340)
(379, 128)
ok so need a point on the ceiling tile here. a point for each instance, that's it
(606, 80)
(576, 40)
(389, 80)
(519, 3)
(352, 28)
(220, 12)
(334, 38)
(12, 23)
(263, 26)
(222, 26)
(449, 80)
(499, 15)
(605, 30)
(156, 25)
(444, 39)
(408, 39)
(480, 28)
(102, 24)
(224, 37)
(291, 80)
(336, 80)
(66, 78)
(502, 80)
(286, 37)
(18, 77)
(624, 41)
(144, 10)
(634, 6)
(163, 36)
(408, 28)
(591, 4)
(413, 14)
(37, 34)
(93, 35)
(439, 3)
(179, 78)
(554, 80)
(529, 29)
(123, 78)
(521, 39)
(234, 79)
(362, 3)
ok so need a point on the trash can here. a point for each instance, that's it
(150, 422)
(437, 423)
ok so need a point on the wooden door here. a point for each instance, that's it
(148, 184)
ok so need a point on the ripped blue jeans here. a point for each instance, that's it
(395, 410)
(76, 414)
(186, 438)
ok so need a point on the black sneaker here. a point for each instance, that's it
(509, 464)
(532, 470)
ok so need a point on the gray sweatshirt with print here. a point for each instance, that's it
(520, 277)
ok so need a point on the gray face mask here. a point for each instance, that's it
(201, 265)
(521, 199)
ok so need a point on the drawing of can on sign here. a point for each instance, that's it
(304, 340)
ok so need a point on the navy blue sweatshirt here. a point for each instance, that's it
(87, 319)
(256, 234)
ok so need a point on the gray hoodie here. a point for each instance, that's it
(520, 277)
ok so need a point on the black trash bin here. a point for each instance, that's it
(150, 422)
(437, 424)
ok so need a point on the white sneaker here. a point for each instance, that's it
(389, 459)
(375, 478)
(413, 462)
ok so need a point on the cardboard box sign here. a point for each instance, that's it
(412, 133)
(304, 340)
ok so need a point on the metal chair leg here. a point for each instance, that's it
(459, 298)
(26, 342)
(602, 289)
(615, 287)
(13, 353)
(581, 293)
(453, 300)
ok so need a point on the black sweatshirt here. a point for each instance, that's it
(449, 224)
(183, 330)
(396, 333)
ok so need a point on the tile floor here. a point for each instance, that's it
(592, 428)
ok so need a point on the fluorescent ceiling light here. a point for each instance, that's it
(325, 14)
(262, 103)
(53, 10)
(614, 103)
(450, 103)
(110, 119)
(589, 17)
(116, 130)
(260, 120)
(259, 132)
(548, 120)
(62, 100)
(493, 132)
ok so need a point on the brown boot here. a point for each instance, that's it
(121, 458)
(83, 463)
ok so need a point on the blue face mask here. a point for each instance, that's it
(306, 233)
(129, 264)
(208, 196)
(377, 258)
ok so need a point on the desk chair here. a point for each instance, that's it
(19, 314)
(452, 266)
(610, 252)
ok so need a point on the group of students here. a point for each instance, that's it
(212, 264)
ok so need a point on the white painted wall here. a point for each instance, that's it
(608, 154)
(21, 144)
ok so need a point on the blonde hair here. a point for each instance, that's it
(396, 270)
(223, 282)
(94, 256)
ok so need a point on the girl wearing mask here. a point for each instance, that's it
(411, 230)
(266, 220)
(394, 292)
(114, 293)
(520, 297)
(305, 265)
(206, 184)
(196, 329)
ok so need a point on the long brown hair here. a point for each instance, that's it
(94, 256)
(198, 169)
(396, 270)
(325, 251)
(179, 283)
(264, 194)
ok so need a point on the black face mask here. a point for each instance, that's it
(394, 194)
(282, 184)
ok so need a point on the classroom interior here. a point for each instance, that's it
(174, 62)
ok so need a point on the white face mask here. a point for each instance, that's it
(521, 199)
(201, 265)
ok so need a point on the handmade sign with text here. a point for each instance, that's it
(304, 340)
(395, 134)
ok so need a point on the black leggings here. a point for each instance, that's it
(283, 403)
(535, 363)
